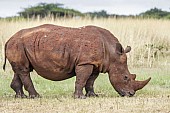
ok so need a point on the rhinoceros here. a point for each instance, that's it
(58, 53)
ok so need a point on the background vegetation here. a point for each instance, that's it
(43, 10)
(155, 13)
(150, 57)
(56, 10)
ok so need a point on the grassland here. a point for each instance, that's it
(150, 56)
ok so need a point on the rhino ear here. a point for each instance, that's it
(119, 49)
(128, 49)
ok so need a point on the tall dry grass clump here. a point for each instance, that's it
(149, 38)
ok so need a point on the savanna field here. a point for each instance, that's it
(150, 57)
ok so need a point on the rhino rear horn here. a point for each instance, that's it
(133, 76)
(140, 84)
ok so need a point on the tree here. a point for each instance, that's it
(155, 13)
(44, 9)
(101, 13)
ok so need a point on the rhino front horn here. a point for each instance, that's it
(140, 84)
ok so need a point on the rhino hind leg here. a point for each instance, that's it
(82, 74)
(17, 86)
(28, 85)
(22, 73)
(89, 85)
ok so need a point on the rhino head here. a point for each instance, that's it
(121, 79)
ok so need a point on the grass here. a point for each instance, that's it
(90, 105)
(149, 57)
(148, 38)
(57, 96)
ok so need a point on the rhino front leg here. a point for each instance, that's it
(28, 85)
(82, 74)
(89, 85)
(17, 86)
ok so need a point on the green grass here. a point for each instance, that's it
(160, 83)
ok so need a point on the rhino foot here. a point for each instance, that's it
(91, 94)
(76, 96)
(20, 96)
(34, 96)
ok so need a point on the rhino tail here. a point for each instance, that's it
(5, 56)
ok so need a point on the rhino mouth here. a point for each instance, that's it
(121, 94)
(127, 93)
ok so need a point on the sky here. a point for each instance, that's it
(121, 7)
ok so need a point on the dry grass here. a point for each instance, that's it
(149, 39)
(90, 105)
(150, 42)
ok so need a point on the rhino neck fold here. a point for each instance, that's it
(105, 65)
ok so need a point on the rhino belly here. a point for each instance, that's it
(55, 75)
(50, 64)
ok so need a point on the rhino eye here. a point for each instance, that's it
(125, 78)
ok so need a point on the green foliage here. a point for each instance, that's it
(13, 18)
(43, 10)
(152, 13)
(156, 13)
(99, 14)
